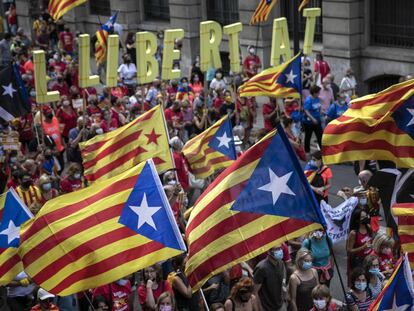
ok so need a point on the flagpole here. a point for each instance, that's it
(298, 167)
(259, 25)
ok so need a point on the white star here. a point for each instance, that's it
(224, 140)
(397, 308)
(277, 185)
(11, 231)
(290, 77)
(145, 213)
(8, 90)
(411, 111)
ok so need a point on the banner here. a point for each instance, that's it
(337, 218)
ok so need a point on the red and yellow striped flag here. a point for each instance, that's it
(58, 8)
(405, 215)
(202, 157)
(101, 45)
(78, 240)
(376, 127)
(262, 11)
(112, 153)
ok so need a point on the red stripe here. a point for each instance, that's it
(345, 128)
(108, 264)
(270, 76)
(68, 3)
(118, 186)
(201, 160)
(243, 248)
(409, 205)
(134, 153)
(80, 225)
(396, 151)
(203, 143)
(82, 250)
(55, 11)
(209, 164)
(114, 146)
(258, 9)
(9, 264)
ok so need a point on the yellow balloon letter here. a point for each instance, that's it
(147, 65)
(310, 15)
(170, 54)
(234, 49)
(210, 39)
(280, 41)
(84, 55)
(112, 61)
(42, 95)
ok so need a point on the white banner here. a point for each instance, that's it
(337, 218)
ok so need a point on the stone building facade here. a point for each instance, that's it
(374, 37)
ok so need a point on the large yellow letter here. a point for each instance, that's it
(112, 61)
(147, 65)
(170, 54)
(42, 95)
(310, 15)
(210, 39)
(84, 55)
(280, 41)
(234, 49)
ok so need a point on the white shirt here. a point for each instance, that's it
(127, 73)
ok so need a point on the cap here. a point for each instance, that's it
(42, 294)
(46, 109)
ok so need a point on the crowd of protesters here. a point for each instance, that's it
(47, 163)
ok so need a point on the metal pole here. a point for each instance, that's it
(295, 13)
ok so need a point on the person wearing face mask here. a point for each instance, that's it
(61, 86)
(109, 122)
(337, 108)
(218, 82)
(318, 244)
(251, 63)
(383, 246)
(127, 73)
(322, 299)
(180, 163)
(294, 140)
(269, 277)
(49, 165)
(359, 242)
(319, 176)
(166, 302)
(359, 297)
(118, 295)
(242, 297)
(73, 180)
(196, 84)
(174, 117)
(302, 281)
(47, 191)
(67, 117)
(375, 277)
(45, 301)
(58, 64)
(307, 78)
(29, 193)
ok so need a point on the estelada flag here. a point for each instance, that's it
(211, 150)
(261, 200)
(101, 45)
(109, 154)
(375, 127)
(14, 218)
(58, 8)
(282, 81)
(262, 11)
(102, 233)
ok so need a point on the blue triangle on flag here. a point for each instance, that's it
(291, 76)
(223, 140)
(276, 187)
(15, 213)
(404, 117)
(147, 211)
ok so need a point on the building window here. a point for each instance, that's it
(100, 7)
(380, 83)
(224, 12)
(392, 23)
(157, 10)
(288, 11)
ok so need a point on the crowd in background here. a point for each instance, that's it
(295, 275)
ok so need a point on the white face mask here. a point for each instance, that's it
(252, 51)
(320, 304)
(172, 182)
(363, 201)
(99, 131)
(122, 282)
(77, 175)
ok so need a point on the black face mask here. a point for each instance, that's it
(365, 221)
(26, 183)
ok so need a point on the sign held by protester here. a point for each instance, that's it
(338, 218)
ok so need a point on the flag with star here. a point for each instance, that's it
(109, 154)
(398, 292)
(262, 11)
(375, 127)
(13, 97)
(261, 200)
(13, 215)
(281, 81)
(211, 150)
(101, 233)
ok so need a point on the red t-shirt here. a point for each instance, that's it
(120, 295)
(69, 120)
(67, 185)
(268, 109)
(66, 38)
(171, 115)
(142, 292)
(182, 171)
(63, 89)
(59, 66)
(322, 67)
(109, 127)
(251, 63)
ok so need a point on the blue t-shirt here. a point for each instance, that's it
(336, 110)
(313, 105)
(320, 251)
